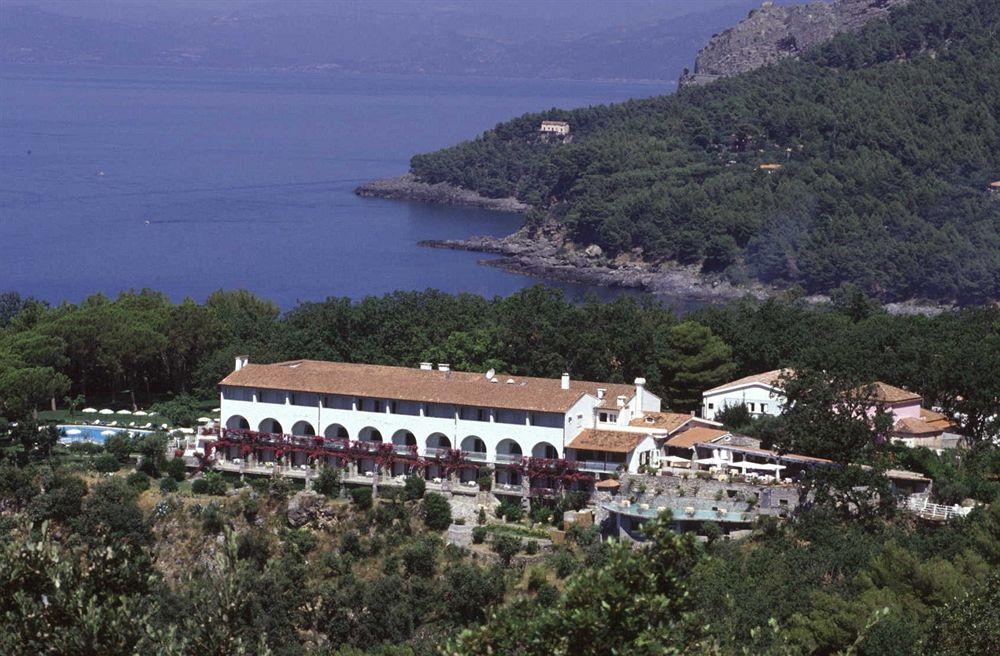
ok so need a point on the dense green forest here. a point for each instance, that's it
(101, 553)
(887, 139)
(155, 349)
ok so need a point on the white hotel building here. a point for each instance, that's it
(427, 412)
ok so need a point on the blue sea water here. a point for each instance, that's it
(191, 181)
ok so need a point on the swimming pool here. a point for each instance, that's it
(69, 434)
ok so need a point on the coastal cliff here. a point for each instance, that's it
(409, 187)
(774, 32)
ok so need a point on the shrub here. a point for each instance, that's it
(210, 483)
(481, 517)
(362, 497)
(414, 487)
(536, 578)
(350, 544)
(711, 530)
(62, 499)
(540, 514)
(252, 546)
(531, 547)
(506, 547)
(420, 559)
(301, 541)
(479, 534)
(212, 520)
(510, 510)
(547, 595)
(470, 591)
(388, 513)
(153, 449)
(563, 563)
(119, 445)
(327, 482)
(175, 469)
(110, 512)
(278, 488)
(138, 480)
(16, 485)
(167, 484)
(437, 512)
(107, 463)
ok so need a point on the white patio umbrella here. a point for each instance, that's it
(186, 431)
(203, 420)
(107, 411)
(89, 410)
(677, 460)
(714, 462)
(747, 464)
(152, 414)
(124, 412)
(140, 413)
(164, 426)
(216, 410)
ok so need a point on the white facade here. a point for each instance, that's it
(760, 399)
(556, 127)
(485, 434)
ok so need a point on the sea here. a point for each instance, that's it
(188, 181)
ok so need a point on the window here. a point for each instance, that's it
(480, 414)
(603, 417)
(751, 406)
(763, 407)
(711, 406)
(376, 405)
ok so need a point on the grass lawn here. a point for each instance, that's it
(517, 530)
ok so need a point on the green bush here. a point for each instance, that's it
(211, 483)
(279, 488)
(437, 512)
(138, 480)
(106, 463)
(414, 487)
(531, 547)
(327, 482)
(536, 578)
(350, 544)
(420, 559)
(506, 547)
(168, 484)
(212, 520)
(175, 469)
(253, 546)
(563, 563)
(119, 445)
(362, 497)
(510, 510)
(711, 530)
(479, 534)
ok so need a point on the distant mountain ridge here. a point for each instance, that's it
(773, 32)
(429, 38)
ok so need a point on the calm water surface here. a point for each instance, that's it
(191, 181)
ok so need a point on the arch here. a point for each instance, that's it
(303, 428)
(438, 441)
(270, 425)
(336, 430)
(369, 434)
(238, 422)
(544, 450)
(509, 447)
(473, 444)
(404, 437)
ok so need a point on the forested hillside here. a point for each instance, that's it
(887, 140)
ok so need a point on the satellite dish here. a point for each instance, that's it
(490, 374)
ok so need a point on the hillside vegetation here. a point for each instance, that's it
(887, 138)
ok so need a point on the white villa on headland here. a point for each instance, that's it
(556, 127)
(760, 392)
(303, 408)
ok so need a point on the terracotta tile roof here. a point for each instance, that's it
(767, 378)
(411, 384)
(695, 435)
(929, 423)
(668, 421)
(593, 439)
(607, 484)
(890, 394)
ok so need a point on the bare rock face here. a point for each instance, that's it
(304, 507)
(772, 33)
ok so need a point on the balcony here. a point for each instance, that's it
(597, 465)
(476, 456)
(435, 451)
(404, 449)
(509, 457)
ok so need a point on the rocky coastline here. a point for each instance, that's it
(408, 187)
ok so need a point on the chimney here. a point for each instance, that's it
(564, 384)
(241, 361)
(640, 389)
(442, 366)
(601, 392)
(621, 401)
(426, 366)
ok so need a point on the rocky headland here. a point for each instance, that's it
(774, 32)
(409, 187)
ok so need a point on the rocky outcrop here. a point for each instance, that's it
(545, 252)
(409, 187)
(304, 507)
(771, 33)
